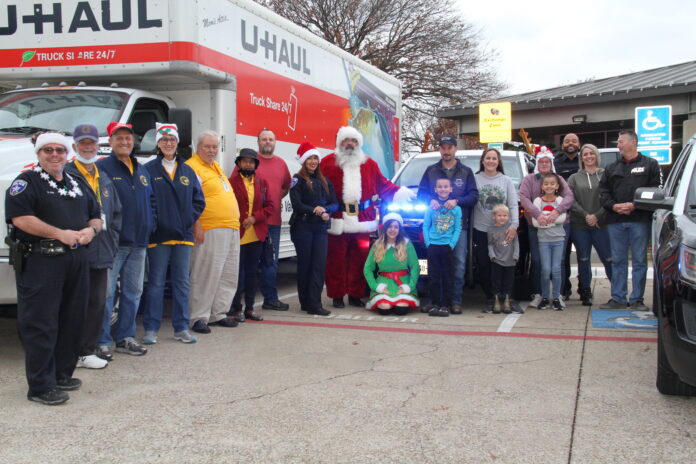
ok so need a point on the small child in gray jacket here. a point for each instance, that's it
(504, 255)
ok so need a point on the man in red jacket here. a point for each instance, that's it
(358, 183)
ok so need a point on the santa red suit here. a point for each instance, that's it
(358, 183)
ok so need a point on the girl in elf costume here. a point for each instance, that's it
(392, 270)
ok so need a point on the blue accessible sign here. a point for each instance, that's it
(623, 319)
(663, 155)
(654, 126)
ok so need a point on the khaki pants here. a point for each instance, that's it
(214, 274)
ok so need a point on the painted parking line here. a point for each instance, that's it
(458, 333)
(508, 323)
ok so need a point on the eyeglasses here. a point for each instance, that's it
(49, 150)
(168, 141)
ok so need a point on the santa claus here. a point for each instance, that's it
(358, 183)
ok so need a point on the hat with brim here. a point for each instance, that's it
(247, 153)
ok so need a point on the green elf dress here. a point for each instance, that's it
(388, 276)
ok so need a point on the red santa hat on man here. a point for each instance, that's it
(347, 132)
(305, 151)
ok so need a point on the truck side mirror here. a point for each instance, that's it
(182, 118)
(652, 199)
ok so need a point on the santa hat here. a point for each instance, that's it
(544, 153)
(163, 129)
(393, 217)
(347, 132)
(51, 137)
(306, 150)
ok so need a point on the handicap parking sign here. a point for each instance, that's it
(654, 126)
(663, 155)
(623, 319)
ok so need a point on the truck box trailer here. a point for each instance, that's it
(235, 65)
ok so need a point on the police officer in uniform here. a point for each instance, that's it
(54, 218)
(313, 200)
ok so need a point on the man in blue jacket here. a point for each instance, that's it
(134, 189)
(464, 195)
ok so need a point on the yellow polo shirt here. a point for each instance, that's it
(92, 180)
(221, 208)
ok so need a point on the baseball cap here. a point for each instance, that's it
(85, 131)
(114, 126)
(452, 140)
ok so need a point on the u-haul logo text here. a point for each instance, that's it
(51, 17)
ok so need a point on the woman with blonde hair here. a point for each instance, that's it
(392, 270)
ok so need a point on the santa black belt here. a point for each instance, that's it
(353, 208)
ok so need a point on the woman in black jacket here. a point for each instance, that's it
(313, 200)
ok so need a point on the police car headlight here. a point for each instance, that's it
(687, 264)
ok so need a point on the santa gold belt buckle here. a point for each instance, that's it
(352, 208)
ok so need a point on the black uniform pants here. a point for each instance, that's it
(311, 242)
(440, 274)
(95, 311)
(52, 296)
(483, 262)
(249, 255)
(502, 279)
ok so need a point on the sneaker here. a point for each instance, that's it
(200, 327)
(561, 300)
(185, 336)
(638, 305)
(68, 384)
(586, 296)
(613, 304)
(536, 299)
(150, 337)
(515, 307)
(488, 309)
(50, 398)
(131, 347)
(543, 304)
(557, 304)
(276, 305)
(105, 352)
(92, 362)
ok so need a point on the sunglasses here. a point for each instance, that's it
(49, 150)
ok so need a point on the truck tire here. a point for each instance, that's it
(668, 382)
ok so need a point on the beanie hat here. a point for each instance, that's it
(306, 150)
(51, 137)
(163, 129)
(544, 153)
(347, 132)
(393, 217)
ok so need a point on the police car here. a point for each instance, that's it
(516, 165)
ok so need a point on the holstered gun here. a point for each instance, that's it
(17, 249)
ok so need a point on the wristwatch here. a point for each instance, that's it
(96, 232)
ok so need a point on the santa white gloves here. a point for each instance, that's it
(381, 288)
(404, 195)
(404, 288)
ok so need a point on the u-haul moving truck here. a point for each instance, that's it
(238, 67)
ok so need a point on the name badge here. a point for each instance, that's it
(103, 218)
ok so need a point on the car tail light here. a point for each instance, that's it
(687, 263)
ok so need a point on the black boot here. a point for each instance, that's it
(586, 296)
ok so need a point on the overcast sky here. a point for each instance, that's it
(543, 44)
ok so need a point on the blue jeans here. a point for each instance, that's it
(625, 235)
(269, 273)
(551, 254)
(535, 258)
(177, 258)
(129, 265)
(584, 240)
(459, 265)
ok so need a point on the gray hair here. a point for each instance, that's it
(208, 133)
(594, 150)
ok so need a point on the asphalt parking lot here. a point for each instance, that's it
(543, 387)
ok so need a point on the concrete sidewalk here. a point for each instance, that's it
(349, 389)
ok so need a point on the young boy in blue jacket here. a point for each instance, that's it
(441, 229)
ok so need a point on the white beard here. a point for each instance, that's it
(350, 158)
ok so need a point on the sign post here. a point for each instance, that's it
(654, 130)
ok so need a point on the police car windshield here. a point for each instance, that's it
(413, 172)
(59, 110)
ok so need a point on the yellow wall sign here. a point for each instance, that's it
(495, 122)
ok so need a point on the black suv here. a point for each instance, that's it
(674, 280)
